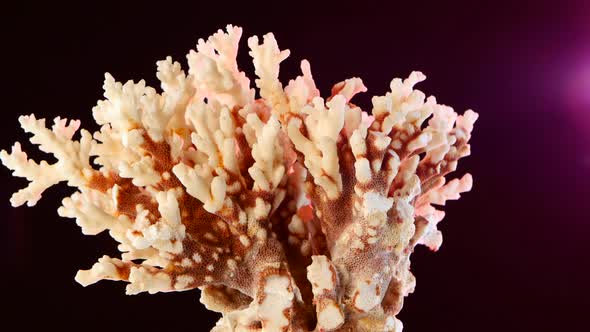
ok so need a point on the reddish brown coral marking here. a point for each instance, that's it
(335, 213)
(305, 213)
(334, 276)
(393, 298)
(354, 297)
(98, 181)
(129, 196)
(162, 157)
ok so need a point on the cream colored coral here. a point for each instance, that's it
(290, 212)
(323, 125)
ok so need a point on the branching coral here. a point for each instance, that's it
(289, 212)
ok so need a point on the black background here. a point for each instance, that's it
(516, 249)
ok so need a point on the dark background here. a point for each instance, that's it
(516, 249)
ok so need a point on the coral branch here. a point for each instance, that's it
(215, 71)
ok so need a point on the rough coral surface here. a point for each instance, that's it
(289, 212)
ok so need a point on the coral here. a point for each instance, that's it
(289, 212)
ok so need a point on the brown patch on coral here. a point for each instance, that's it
(128, 195)
(335, 214)
(98, 181)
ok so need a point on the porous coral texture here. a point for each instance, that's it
(290, 212)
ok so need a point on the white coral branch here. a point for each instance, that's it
(106, 268)
(402, 105)
(268, 169)
(215, 70)
(438, 195)
(94, 212)
(323, 277)
(41, 176)
(302, 90)
(324, 126)
(210, 192)
(267, 58)
(73, 158)
(151, 280)
(122, 108)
